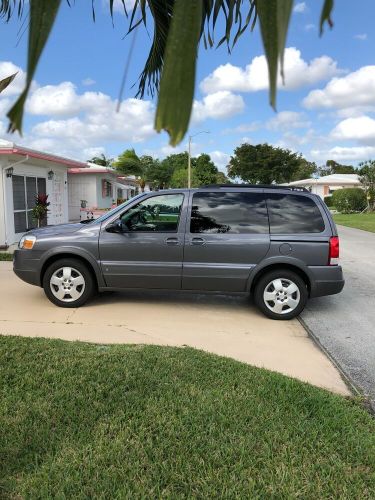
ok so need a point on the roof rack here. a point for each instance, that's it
(258, 186)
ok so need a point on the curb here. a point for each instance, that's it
(351, 385)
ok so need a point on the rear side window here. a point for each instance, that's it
(228, 212)
(290, 214)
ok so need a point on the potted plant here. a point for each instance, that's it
(39, 212)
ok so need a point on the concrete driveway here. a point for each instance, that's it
(345, 323)
(225, 325)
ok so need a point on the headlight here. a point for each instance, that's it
(27, 242)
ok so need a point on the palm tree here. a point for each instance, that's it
(179, 26)
(129, 163)
(101, 160)
(367, 178)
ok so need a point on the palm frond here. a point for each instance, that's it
(239, 14)
(8, 8)
(7, 81)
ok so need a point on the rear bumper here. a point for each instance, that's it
(26, 267)
(326, 280)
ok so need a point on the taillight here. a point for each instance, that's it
(334, 251)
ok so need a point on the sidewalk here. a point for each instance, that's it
(225, 325)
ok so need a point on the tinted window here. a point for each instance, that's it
(228, 213)
(290, 213)
(158, 213)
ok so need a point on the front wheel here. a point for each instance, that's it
(281, 294)
(68, 283)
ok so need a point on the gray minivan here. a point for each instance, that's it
(279, 244)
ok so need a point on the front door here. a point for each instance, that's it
(25, 191)
(149, 252)
(227, 234)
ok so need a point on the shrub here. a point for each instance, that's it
(349, 200)
(328, 201)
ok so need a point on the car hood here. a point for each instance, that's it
(58, 229)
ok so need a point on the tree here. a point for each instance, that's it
(221, 178)
(305, 170)
(332, 167)
(367, 178)
(128, 163)
(101, 160)
(205, 170)
(159, 173)
(263, 164)
(178, 161)
(179, 25)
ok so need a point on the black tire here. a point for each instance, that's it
(265, 283)
(78, 268)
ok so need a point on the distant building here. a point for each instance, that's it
(24, 173)
(97, 188)
(325, 186)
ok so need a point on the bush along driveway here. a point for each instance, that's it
(97, 421)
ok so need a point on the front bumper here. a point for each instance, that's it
(26, 265)
(326, 280)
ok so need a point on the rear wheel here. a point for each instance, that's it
(68, 283)
(281, 294)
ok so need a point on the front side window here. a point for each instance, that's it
(229, 212)
(291, 214)
(158, 213)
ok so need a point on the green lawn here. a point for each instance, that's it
(360, 221)
(6, 256)
(94, 421)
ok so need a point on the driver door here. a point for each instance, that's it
(148, 252)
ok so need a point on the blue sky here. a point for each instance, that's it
(326, 111)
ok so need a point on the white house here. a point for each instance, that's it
(97, 188)
(325, 186)
(24, 173)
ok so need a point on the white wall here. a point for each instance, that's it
(81, 187)
(3, 164)
(56, 190)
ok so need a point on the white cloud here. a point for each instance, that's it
(63, 100)
(5, 104)
(300, 7)
(7, 68)
(357, 89)
(220, 159)
(286, 120)
(243, 127)
(310, 27)
(134, 123)
(361, 129)
(361, 36)
(340, 153)
(88, 82)
(254, 76)
(218, 105)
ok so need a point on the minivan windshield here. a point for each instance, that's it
(108, 214)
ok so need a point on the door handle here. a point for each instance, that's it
(197, 241)
(172, 241)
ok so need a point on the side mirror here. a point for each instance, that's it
(117, 227)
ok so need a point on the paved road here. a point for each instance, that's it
(345, 323)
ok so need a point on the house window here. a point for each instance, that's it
(106, 189)
(25, 190)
